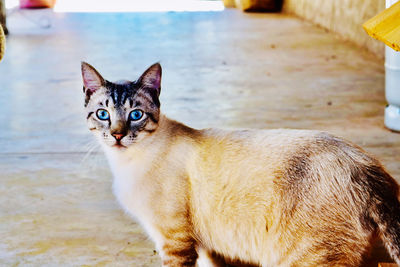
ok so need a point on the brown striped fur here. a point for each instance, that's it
(262, 197)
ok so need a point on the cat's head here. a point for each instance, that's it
(122, 113)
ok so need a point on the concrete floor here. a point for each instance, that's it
(223, 69)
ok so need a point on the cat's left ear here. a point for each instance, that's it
(151, 78)
(92, 80)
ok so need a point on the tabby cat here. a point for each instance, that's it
(263, 197)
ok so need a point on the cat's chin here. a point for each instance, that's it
(119, 147)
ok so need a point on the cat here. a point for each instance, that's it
(263, 197)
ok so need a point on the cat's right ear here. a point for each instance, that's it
(92, 80)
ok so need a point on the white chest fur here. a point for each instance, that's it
(133, 189)
(129, 183)
(126, 186)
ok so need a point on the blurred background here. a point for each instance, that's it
(230, 64)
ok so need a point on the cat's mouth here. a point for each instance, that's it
(118, 145)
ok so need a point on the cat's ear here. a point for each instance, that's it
(151, 78)
(92, 80)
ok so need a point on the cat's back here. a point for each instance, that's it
(272, 143)
(251, 158)
(254, 155)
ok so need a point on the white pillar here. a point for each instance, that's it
(392, 84)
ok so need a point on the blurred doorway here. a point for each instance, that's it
(131, 5)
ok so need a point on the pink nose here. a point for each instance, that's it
(118, 136)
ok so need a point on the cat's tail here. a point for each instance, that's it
(385, 209)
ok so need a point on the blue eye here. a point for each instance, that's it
(102, 114)
(136, 115)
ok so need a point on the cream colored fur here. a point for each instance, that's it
(224, 178)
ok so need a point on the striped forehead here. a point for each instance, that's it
(119, 93)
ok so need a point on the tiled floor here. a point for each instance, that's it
(221, 69)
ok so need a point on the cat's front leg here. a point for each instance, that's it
(178, 252)
(209, 259)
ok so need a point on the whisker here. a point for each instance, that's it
(91, 147)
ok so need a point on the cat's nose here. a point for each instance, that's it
(118, 136)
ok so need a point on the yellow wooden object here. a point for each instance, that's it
(229, 3)
(2, 43)
(385, 26)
